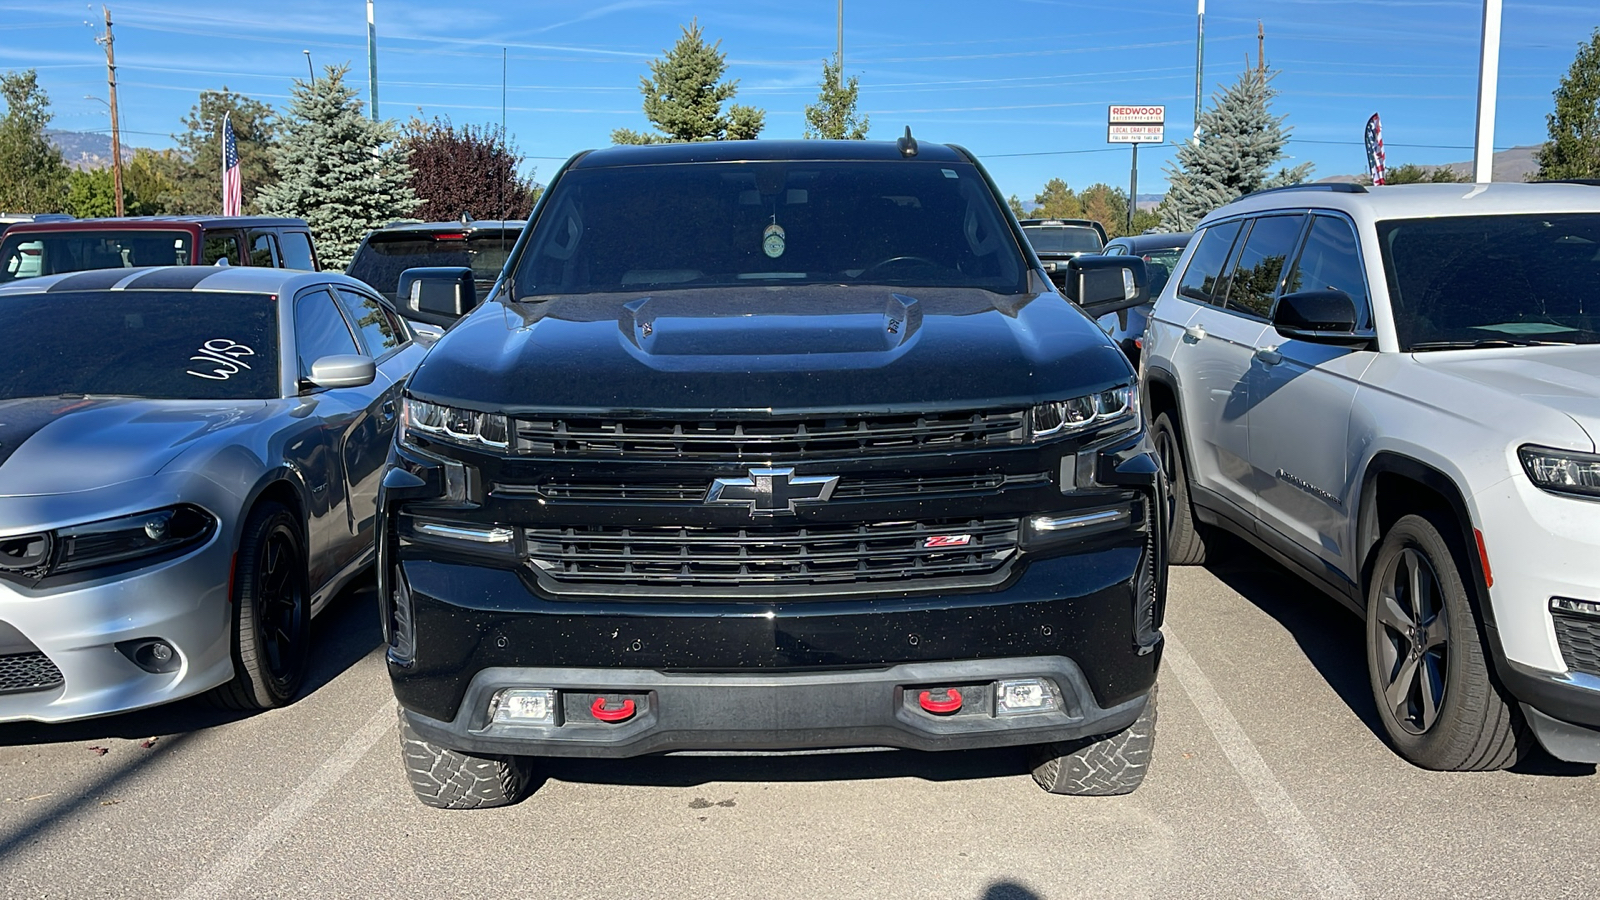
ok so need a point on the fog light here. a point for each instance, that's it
(523, 706)
(1027, 695)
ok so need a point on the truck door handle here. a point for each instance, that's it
(1269, 355)
(1194, 334)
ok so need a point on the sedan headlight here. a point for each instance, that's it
(1562, 471)
(1097, 411)
(482, 431)
(155, 533)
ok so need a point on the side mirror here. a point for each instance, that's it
(1106, 284)
(1320, 317)
(343, 371)
(436, 295)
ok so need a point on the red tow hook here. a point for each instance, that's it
(949, 704)
(625, 711)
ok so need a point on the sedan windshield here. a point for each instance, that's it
(664, 227)
(1062, 238)
(27, 255)
(385, 256)
(164, 345)
(1494, 281)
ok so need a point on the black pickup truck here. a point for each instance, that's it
(766, 446)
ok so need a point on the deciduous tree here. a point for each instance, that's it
(1573, 150)
(684, 94)
(197, 188)
(466, 169)
(833, 116)
(1056, 201)
(33, 176)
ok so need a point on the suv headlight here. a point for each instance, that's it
(1108, 409)
(155, 533)
(464, 427)
(1562, 471)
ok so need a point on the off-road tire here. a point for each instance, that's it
(448, 779)
(1105, 766)
(1186, 545)
(270, 526)
(1477, 728)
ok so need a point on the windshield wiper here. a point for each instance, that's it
(1487, 342)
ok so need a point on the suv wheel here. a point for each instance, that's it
(1104, 766)
(449, 779)
(1185, 545)
(1425, 656)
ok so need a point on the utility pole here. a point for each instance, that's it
(116, 136)
(372, 61)
(1199, 61)
(841, 45)
(1488, 82)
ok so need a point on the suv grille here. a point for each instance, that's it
(1579, 640)
(24, 672)
(763, 438)
(736, 557)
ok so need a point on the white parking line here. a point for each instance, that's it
(258, 840)
(1280, 811)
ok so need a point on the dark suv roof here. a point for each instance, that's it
(464, 227)
(1164, 241)
(761, 151)
(204, 222)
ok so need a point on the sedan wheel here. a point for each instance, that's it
(272, 613)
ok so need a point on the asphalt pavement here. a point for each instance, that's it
(1270, 779)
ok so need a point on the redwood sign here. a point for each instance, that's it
(1136, 124)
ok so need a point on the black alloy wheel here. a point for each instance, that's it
(281, 607)
(271, 613)
(1186, 546)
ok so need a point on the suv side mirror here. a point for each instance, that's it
(1106, 284)
(436, 295)
(344, 370)
(1321, 317)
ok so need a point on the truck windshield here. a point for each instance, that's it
(1488, 281)
(664, 227)
(380, 262)
(27, 255)
(162, 345)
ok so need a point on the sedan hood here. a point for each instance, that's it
(58, 446)
(804, 347)
(1566, 379)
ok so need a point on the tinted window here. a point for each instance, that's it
(219, 246)
(1062, 239)
(664, 227)
(319, 330)
(380, 262)
(1467, 280)
(377, 327)
(1260, 268)
(1159, 263)
(296, 246)
(29, 255)
(168, 345)
(262, 251)
(1205, 266)
(1331, 262)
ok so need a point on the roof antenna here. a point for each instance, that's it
(907, 144)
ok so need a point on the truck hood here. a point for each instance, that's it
(1565, 379)
(58, 446)
(862, 348)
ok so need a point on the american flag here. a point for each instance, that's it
(232, 189)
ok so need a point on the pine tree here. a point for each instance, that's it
(833, 116)
(340, 171)
(197, 187)
(1238, 143)
(683, 97)
(33, 176)
(469, 170)
(1573, 150)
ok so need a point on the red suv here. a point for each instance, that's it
(52, 248)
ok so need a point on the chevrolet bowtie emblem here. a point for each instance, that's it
(771, 492)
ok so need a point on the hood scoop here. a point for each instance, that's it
(663, 327)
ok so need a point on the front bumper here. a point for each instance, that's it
(853, 708)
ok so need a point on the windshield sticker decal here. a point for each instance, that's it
(950, 173)
(772, 240)
(224, 355)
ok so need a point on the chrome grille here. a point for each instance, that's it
(1579, 640)
(23, 672)
(761, 556)
(856, 487)
(765, 438)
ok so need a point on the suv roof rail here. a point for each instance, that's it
(1337, 187)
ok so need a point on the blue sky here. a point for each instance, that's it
(1022, 83)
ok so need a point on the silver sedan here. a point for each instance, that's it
(189, 467)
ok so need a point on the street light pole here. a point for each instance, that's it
(1488, 82)
(841, 45)
(372, 61)
(309, 70)
(1199, 61)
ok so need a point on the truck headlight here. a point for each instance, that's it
(464, 427)
(1116, 409)
(1562, 471)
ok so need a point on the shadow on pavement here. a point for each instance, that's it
(1008, 890)
(692, 771)
(342, 634)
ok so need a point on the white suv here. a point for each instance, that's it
(1396, 393)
